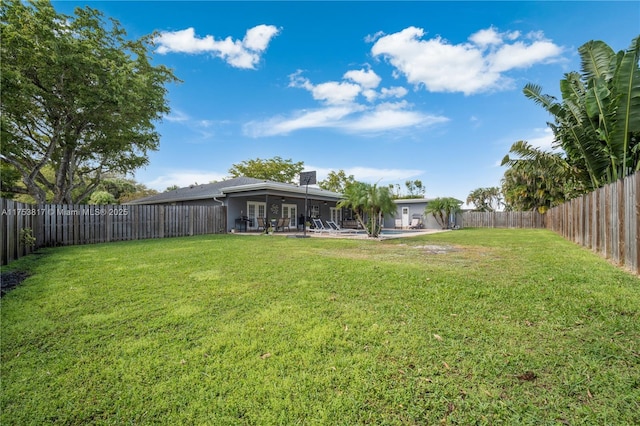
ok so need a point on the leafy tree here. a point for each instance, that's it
(538, 180)
(415, 188)
(172, 188)
(336, 181)
(123, 189)
(275, 169)
(9, 178)
(117, 186)
(394, 189)
(140, 191)
(77, 96)
(369, 203)
(485, 199)
(597, 124)
(102, 197)
(442, 208)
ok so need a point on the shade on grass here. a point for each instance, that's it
(465, 327)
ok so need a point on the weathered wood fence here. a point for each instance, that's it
(56, 224)
(605, 220)
(530, 219)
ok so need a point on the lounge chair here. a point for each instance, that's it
(415, 223)
(318, 226)
(335, 228)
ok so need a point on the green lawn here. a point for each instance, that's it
(466, 327)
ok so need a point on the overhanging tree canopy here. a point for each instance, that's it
(275, 169)
(77, 96)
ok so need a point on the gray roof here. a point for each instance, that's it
(196, 192)
(235, 185)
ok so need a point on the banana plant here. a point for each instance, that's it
(597, 122)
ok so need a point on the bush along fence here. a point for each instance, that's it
(26, 227)
(605, 221)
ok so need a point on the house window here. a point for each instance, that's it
(315, 211)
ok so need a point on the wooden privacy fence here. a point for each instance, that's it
(57, 224)
(605, 220)
(530, 219)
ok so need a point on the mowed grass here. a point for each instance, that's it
(466, 327)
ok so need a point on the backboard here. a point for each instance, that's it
(308, 178)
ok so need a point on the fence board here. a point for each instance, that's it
(529, 219)
(610, 216)
(56, 225)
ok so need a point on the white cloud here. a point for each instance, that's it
(203, 128)
(336, 93)
(472, 67)
(323, 117)
(382, 176)
(331, 93)
(352, 119)
(393, 92)
(369, 174)
(243, 53)
(258, 38)
(176, 116)
(182, 178)
(542, 138)
(521, 55)
(368, 79)
(341, 110)
(486, 37)
(390, 116)
(370, 38)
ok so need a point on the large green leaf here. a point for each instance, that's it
(534, 92)
(627, 86)
(597, 60)
(597, 99)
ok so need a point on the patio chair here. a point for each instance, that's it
(335, 228)
(415, 223)
(261, 223)
(318, 226)
(283, 223)
(398, 224)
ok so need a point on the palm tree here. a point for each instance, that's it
(442, 209)
(485, 199)
(538, 180)
(369, 203)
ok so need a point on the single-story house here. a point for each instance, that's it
(248, 199)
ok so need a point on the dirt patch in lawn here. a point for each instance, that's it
(436, 249)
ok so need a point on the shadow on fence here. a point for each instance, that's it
(57, 224)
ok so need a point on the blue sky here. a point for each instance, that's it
(387, 91)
